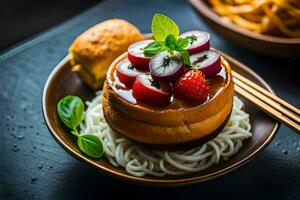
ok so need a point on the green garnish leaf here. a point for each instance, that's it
(166, 34)
(185, 56)
(162, 26)
(70, 111)
(181, 43)
(153, 48)
(191, 39)
(170, 42)
(90, 145)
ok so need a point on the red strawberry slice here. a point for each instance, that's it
(127, 73)
(136, 55)
(192, 87)
(149, 91)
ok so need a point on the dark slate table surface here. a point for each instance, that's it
(34, 166)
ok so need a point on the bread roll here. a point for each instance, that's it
(93, 51)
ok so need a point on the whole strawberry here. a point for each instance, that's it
(192, 87)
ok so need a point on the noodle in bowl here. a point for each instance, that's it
(141, 161)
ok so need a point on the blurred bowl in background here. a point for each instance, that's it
(279, 47)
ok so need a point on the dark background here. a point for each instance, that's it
(34, 166)
(20, 19)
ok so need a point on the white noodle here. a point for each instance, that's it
(140, 161)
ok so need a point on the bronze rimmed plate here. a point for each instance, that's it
(62, 81)
(281, 47)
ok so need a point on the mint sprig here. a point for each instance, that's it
(162, 26)
(185, 56)
(172, 46)
(166, 34)
(154, 48)
(70, 111)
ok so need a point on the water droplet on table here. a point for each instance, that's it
(285, 152)
(22, 127)
(15, 149)
(33, 179)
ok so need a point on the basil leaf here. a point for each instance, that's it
(90, 145)
(181, 43)
(185, 56)
(162, 26)
(153, 48)
(70, 111)
(170, 42)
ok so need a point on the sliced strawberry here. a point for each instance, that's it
(192, 87)
(127, 73)
(148, 91)
(136, 55)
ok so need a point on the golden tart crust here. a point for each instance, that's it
(168, 127)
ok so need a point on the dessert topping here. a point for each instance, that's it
(192, 87)
(166, 67)
(149, 91)
(198, 41)
(127, 73)
(208, 62)
(166, 34)
(136, 55)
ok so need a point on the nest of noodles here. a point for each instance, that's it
(140, 161)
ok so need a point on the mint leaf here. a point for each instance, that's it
(191, 39)
(181, 43)
(185, 56)
(153, 48)
(170, 42)
(70, 111)
(90, 145)
(162, 26)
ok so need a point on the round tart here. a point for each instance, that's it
(175, 125)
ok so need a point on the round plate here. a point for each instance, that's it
(62, 81)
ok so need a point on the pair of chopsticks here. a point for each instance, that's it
(268, 102)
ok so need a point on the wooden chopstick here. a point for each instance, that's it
(267, 93)
(269, 103)
(267, 100)
(268, 109)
